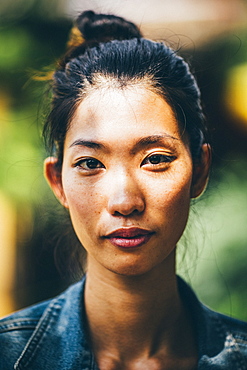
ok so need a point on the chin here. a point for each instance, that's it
(129, 272)
(135, 269)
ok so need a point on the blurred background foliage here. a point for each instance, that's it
(213, 252)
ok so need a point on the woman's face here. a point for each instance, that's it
(126, 179)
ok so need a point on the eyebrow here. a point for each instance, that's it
(139, 145)
(87, 144)
(151, 140)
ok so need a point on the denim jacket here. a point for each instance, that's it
(53, 335)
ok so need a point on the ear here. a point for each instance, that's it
(201, 172)
(53, 176)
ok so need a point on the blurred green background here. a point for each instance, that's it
(213, 252)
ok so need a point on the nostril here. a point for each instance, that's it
(134, 212)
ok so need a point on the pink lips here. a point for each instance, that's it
(129, 237)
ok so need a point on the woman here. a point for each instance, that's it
(130, 152)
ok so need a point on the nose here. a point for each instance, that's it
(124, 195)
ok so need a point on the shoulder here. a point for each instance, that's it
(234, 330)
(15, 331)
(222, 340)
(18, 329)
(224, 325)
(231, 324)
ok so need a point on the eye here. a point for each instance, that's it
(88, 164)
(158, 160)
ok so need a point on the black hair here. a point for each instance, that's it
(114, 48)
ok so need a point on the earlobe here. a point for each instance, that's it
(53, 176)
(201, 172)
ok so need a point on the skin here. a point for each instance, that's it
(126, 164)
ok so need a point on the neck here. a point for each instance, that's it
(132, 315)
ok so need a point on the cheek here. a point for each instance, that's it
(171, 204)
(173, 190)
(84, 204)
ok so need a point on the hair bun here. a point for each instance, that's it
(103, 27)
(92, 29)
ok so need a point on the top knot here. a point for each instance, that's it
(104, 27)
(91, 29)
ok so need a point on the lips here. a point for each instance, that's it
(129, 237)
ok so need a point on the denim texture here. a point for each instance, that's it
(53, 335)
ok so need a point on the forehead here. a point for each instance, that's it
(116, 112)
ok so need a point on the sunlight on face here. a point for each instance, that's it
(126, 179)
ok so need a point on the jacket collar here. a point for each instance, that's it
(60, 340)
